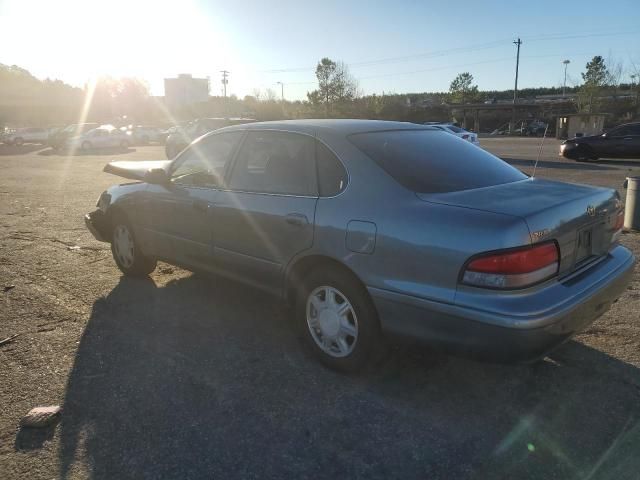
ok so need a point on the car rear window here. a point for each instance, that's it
(431, 161)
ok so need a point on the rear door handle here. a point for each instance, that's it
(297, 219)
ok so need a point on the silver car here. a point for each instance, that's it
(106, 136)
(371, 228)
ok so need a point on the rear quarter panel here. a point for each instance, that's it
(420, 247)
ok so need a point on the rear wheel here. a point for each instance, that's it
(85, 146)
(338, 321)
(18, 141)
(126, 250)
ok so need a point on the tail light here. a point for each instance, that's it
(619, 221)
(618, 226)
(513, 268)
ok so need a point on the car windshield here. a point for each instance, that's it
(429, 161)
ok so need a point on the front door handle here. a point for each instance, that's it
(297, 219)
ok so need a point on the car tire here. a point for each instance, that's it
(124, 145)
(338, 321)
(85, 146)
(126, 250)
(18, 141)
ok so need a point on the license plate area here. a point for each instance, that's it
(589, 243)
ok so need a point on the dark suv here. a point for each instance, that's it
(620, 142)
(184, 135)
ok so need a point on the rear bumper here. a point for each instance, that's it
(526, 332)
(98, 224)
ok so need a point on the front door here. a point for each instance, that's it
(266, 215)
(179, 216)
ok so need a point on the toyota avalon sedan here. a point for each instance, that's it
(370, 228)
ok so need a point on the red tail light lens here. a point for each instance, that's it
(513, 268)
(619, 221)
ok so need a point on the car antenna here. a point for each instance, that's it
(544, 135)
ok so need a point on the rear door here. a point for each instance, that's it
(266, 215)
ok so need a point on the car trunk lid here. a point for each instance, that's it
(580, 218)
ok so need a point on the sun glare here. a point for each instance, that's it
(87, 39)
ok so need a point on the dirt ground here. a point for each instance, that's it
(188, 376)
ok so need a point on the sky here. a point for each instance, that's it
(396, 46)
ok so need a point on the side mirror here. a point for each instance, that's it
(156, 176)
(625, 185)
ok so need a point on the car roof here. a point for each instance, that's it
(341, 126)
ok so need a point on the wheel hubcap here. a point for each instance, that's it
(123, 245)
(332, 321)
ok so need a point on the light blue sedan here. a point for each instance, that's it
(370, 228)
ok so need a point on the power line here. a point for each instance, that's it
(452, 51)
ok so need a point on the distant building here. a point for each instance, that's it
(580, 125)
(185, 90)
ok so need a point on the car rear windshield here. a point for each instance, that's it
(431, 161)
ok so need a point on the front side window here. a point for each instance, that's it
(275, 162)
(429, 161)
(203, 164)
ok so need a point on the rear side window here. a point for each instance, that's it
(429, 161)
(332, 176)
(275, 162)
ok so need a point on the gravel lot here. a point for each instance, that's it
(187, 376)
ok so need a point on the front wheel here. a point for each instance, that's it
(585, 153)
(338, 320)
(126, 251)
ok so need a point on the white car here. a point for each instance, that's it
(142, 135)
(26, 135)
(105, 136)
(457, 131)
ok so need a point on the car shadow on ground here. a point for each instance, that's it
(6, 150)
(81, 153)
(205, 378)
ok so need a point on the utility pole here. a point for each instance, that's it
(281, 90)
(225, 81)
(564, 85)
(515, 89)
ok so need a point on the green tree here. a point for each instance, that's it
(336, 86)
(462, 90)
(595, 79)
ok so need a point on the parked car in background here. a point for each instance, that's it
(184, 135)
(457, 131)
(106, 136)
(373, 227)
(142, 134)
(58, 140)
(26, 135)
(619, 142)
